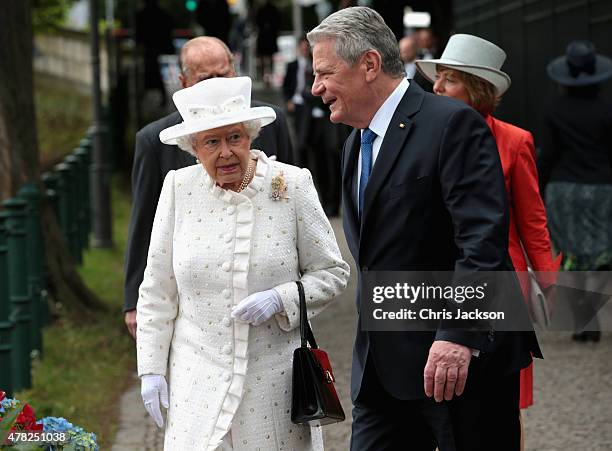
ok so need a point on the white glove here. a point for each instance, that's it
(153, 389)
(259, 307)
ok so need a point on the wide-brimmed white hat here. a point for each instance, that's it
(214, 103)
(473, 55)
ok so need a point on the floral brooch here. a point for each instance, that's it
(279, 188)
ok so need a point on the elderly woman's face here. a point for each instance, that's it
(224, 153)
(449, 84)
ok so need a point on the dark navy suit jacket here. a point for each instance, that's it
(435, 200)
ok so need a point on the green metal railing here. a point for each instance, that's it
(23, 298)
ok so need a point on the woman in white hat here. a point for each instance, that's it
(469, 70)
(218, 306)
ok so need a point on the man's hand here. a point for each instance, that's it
(130, 322)
(446, 370)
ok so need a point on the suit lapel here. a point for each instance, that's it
(349, 170)
(398, 131)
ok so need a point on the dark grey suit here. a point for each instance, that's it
(435, 200)
(152, 161)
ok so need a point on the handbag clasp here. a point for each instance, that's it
(329, 377)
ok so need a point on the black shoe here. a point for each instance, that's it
(594, 336)
(587, 335)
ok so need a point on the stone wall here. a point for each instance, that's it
(65, 54)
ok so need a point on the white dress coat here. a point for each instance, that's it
(210, 248)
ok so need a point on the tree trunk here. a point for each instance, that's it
(18, 141)
(63, 281)
(19, 153)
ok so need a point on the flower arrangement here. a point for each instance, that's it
(19, 430)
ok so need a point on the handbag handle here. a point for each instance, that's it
(306, 334)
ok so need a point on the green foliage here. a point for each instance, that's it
(7, 423)
(25, 447)
(49, 14)
(63, 115)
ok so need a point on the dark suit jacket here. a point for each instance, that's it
(152, 161)
(290, 80)
(435, 200)
(576, 142)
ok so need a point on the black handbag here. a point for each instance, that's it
(314, 400)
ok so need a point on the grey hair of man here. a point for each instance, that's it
(186, 143)
(205, 42)
(356, 30)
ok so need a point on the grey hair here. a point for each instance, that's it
(356, 30)
(186, 143)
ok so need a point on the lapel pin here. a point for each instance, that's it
(402, 125)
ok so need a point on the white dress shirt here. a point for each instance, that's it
(380, 122)
(410, 69)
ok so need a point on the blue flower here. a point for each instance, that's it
(8, 403)
(55, 424)
(86, 441)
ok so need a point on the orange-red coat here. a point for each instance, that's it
(529, 239)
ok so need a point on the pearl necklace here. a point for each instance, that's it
(248, 174)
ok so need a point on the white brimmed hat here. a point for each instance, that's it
(214, 103)
(473, 55)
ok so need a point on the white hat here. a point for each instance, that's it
(473, 55)
(214, 103)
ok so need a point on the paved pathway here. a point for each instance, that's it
(573, 409)
(137, 431)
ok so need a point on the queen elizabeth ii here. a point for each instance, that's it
(218, 309)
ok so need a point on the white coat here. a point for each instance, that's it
(210, 248)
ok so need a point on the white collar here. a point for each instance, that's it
(381, 120)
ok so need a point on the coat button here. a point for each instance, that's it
(226, 321)
(491, 335)
(225, 266)
(227, 377)
(228, 237)
(231, 209)
(227, 349)
(226, 293)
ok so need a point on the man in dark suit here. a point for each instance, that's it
(201, 58)
(423, 189)
(317, 140)
(294, 86)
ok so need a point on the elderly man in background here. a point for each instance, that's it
(408, 53)
(423, 189)
(426, 43)
(201, 58)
